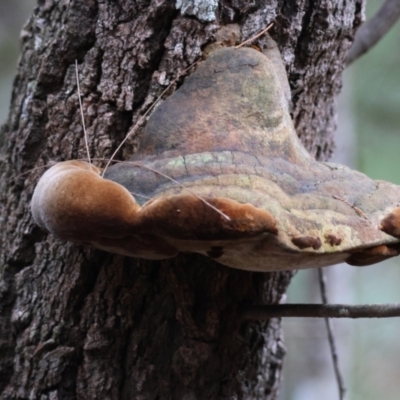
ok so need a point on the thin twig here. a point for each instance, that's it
(358, 210)
(140, 195)
(255, 37)
(149, 169)
(81, 109)
(331, 337)
(141, 119)
(374, 29)
(260, 312)
(31, 170)
(176, 182)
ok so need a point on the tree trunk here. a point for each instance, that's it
(80, 323)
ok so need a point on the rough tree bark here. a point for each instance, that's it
(81, 323)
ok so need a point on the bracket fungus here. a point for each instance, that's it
(242, 188)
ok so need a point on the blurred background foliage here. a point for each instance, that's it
(13, 15)
(376, 79)
(368, 139)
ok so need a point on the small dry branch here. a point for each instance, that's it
(331, 336)
(265, 30)
(320, 311)
(374, 29)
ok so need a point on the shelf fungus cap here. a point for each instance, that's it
(73, 202)
(228, 178)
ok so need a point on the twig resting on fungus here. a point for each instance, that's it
(255, 36)
(81, 111)
(144, 116)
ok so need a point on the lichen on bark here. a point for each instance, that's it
(204, 10)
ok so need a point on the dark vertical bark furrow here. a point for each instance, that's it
(317, 37)
(7, 338)
(79, 323)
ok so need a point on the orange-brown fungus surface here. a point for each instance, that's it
(244, 191)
